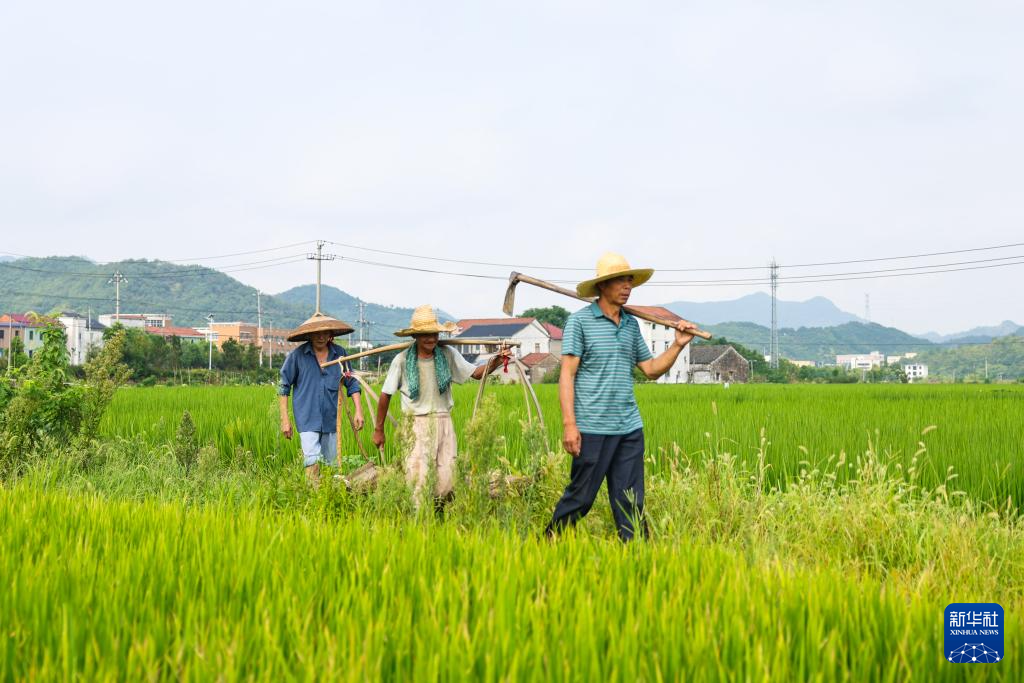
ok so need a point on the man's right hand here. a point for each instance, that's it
(286, 429)
(378, 437)
(571, 440)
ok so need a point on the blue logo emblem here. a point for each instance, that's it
(974, 633)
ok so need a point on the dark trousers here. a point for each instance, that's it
(619, 459)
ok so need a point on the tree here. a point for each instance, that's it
(17, 351)
(556, 315)
(232, 355)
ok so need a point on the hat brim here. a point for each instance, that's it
(588, 288)
(306, 336)
(320, 323)
(428, 329)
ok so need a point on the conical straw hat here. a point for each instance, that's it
(424, 321)
(319, 323)
(609, 267)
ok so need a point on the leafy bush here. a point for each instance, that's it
(42, 403)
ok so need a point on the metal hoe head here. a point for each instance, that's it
(510, 294)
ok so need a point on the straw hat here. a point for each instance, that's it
(609, 267)
(319, 323)
(424, 321)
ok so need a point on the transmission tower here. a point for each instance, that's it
(775, 317)
(867, 307)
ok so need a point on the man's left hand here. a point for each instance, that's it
(683, 336)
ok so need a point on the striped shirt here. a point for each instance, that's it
(604, 399)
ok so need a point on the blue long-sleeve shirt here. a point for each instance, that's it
(314, 391)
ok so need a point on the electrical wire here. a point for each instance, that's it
(678, 270)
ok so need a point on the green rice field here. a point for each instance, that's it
(977, 430)
(797, 533)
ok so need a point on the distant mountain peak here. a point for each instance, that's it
(817, 311)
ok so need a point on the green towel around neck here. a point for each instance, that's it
(412, 372)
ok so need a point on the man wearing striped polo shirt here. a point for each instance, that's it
(602, 428)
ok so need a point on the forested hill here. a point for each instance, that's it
(188, 293)
(823, 343)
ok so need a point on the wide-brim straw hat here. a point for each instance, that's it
(609, 267)
(319, 323)
(424, 321)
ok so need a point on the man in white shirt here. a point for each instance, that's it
(423, 374)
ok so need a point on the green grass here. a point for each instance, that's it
(977, 429)
(824, 550)
(97, 589)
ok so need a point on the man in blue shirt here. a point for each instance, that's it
(314, 391)
(602, 429)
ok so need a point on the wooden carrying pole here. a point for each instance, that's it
(515, 278)
(404, 345)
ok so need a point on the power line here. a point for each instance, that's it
(240, 253)
(422, 270)
(795, 278)
(820, 277)
(826, 278)
(678, 270)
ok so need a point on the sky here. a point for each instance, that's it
(684, 135)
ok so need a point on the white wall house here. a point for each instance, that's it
(536, 340)
(915, 371)
(83, 334)
(658, 338)
(140, 320)
(861, 361)
(529, 332)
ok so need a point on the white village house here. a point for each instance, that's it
(861, 361)
(915, 371)
(83, 334)
(139, 320)
(540, 343)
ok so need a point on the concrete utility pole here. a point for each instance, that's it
(775, 318)
(319, 257)
(259, 325)
(362, 325)
(117, 279)
(270, 324)
(209, 335)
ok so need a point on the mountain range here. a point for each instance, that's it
(756, 308)
(976, 335)
(188, 293)
(822, 344)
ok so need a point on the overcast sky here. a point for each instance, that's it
(682, 134)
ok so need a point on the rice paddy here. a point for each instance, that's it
(797, 533)
(977, 430)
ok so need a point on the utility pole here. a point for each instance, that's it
(362, 325)
(867, 307)
(209, 335)
(117, 279)
(319, 257)
(775, 317)
(270, 325)
(259, 325)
